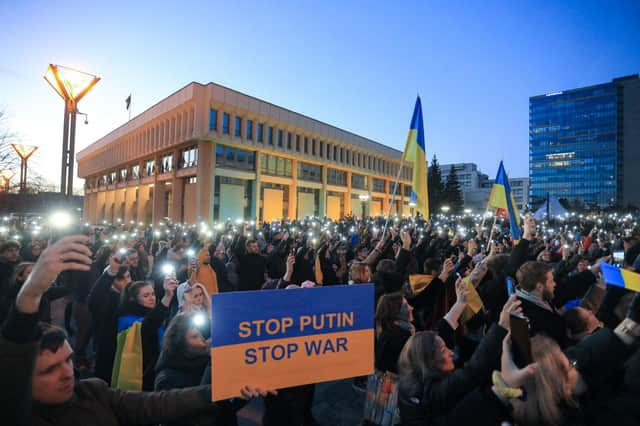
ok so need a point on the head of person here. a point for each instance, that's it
(117, 259)
(580, 322)
(122, 278)
(21, 272)
(431, 266)
(9, 251)
(549, 388)
(386, 265)
(141, 293)
(497, 263)
(204, 257)
(360, 273)
(53, 377)
(424, 355)
(133, 258)
(362, 252)
(200, 297)
(36, 250)
(583, 265)
(392, 308)
(252, 246)
(537, 277)
(184, 337)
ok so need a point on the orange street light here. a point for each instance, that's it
(6, 176)
(72, 85)
(24, 152)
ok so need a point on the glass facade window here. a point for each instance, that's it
(280, 138)
(233, 158)
(378, 185)
(260, 131)
(189, 158)
(275, 166)
(166, 165)
(358, 181)
(225, 123)
(124, 174)
(336, 177)
(573, 147)
(150, 167)
(270, 135)
(297, 143)
(112, 178)
(306, 145)
(328, 151)
(237, 129)
(213, 119)
(289, 141)
(309, 172)
(249, 130)
(135, 171)
(321, 149)
(313, 147)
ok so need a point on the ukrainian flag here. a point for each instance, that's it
(620, 277)
(502, 198)
(414, 152)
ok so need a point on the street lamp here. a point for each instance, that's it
(24, 152)
(6, 177)
(363, 199)
(445, 209)
(72, 85)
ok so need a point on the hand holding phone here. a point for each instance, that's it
(510, 289)
(521, 347)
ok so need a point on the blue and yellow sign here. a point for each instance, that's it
(274, 339)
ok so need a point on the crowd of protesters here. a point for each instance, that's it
(442, 319)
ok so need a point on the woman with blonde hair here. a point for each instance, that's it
(196, 301)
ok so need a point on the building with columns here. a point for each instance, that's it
(211, 153)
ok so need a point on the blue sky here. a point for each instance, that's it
(357, 65)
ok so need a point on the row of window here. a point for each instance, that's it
(302, 144)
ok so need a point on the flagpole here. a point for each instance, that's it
(393, 196)
(130, 106)
(495, 219)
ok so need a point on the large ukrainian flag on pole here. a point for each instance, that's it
(414, 152)
(502, 198)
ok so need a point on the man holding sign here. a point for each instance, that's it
(279, 339)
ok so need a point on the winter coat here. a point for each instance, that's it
(388, 346)
(437, 398)
(93, 402)
(103, 304)
(251, 272)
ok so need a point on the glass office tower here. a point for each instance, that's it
(576, 145)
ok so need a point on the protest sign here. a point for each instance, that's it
(280, 338)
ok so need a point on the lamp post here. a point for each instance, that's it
(6, 177)
(72, 85)
(24, 152)
(363, 199)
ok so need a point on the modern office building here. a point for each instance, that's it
(584, 144)
(210, 153)
(476, 186)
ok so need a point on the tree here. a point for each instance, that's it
(452, 192)
(8, 157)
(436, 189)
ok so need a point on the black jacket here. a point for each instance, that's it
(544, 321)
(175, 371)
(433, 401)
(93, 402)
(388, 346)
(103, 304)
(251, 273)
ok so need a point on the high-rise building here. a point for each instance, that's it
(584, 144)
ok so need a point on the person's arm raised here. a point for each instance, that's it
(68, 254)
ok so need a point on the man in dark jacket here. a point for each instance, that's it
(252, 267)
(536, 291)
(9, 251)
(37, 368)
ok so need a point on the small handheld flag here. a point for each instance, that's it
(620, 277)
(128, 102)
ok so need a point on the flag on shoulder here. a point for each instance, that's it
(414, 152)
(502, 198)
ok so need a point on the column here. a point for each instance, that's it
(322, 208)
(256, 184)
(293, 190)
(347, 196)
(385, 199)
(141, 201)
(206, 180)
(177, 200)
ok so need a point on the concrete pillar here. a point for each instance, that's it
(142, 200)
(158, 202)
(255, 189)
(322, 208)
(177, 200)
(347, 199)
(101, 198)
(206, 180)
(129, 204)
(385, 199)
(293, 190)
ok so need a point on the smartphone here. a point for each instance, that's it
(520, 341)
(618, 257)
(510, 289)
